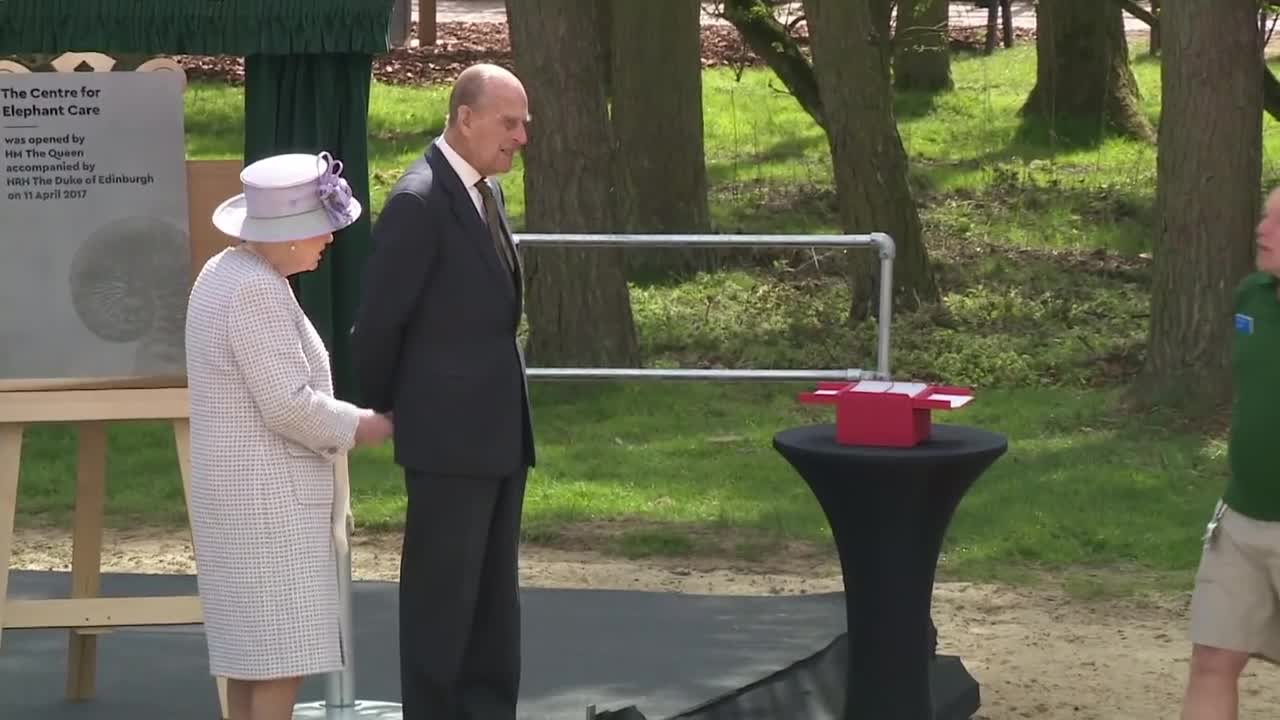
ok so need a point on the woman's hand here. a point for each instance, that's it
(373, 428)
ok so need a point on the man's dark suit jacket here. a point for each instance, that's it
(434, 338)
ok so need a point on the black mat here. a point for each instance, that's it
(813, 688)
(663, 653)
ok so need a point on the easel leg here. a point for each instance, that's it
(10, 459)
(182, 437)
(86, 554)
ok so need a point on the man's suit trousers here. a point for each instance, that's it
(459, 597)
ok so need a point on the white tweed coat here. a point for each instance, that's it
(265, 430)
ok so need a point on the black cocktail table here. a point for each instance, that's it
(889, 509)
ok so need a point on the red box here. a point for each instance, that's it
(885, 414)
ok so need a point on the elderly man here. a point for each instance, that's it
(1234, 611)
(435, 342)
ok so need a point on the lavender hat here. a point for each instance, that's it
(289, 197)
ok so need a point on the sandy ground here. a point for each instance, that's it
(1037, 653)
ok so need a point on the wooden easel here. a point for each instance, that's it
(84, 613)
(90, 406)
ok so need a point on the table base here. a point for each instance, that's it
(360, 710)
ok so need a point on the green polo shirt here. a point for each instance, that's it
(1254, 449)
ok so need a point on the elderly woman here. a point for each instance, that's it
(265, 432)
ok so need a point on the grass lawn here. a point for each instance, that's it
(1040, 251)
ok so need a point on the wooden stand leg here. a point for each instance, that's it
(182, 440)
(10, 461)
(182, 437)
(86, 554)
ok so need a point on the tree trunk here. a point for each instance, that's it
(1006, 12)
(579, 308)
(1270, 85)
(657, 117)
(1084, 84)
(604, 31)
(1154, 49)
(1208, 172)
(870, 166)
(995, 12)
(760, 30)
(921, 45)
(993, 16)
(882, 18)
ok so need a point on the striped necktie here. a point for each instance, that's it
(496, 233)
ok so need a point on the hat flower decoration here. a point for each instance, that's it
(289, 197)
(335, 193)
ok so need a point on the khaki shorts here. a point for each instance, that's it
(1235, 604)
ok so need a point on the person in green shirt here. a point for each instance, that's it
(1235, 611)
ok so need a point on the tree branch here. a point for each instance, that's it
(1270, 84)
(1270, 92)
(1140, 12)
(767, 37)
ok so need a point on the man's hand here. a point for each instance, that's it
(373, 428)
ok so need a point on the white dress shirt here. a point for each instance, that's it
(469, 175)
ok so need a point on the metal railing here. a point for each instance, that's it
(340, 701)
(880, 241)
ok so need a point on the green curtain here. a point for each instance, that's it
(310, 103)
(195, 27)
